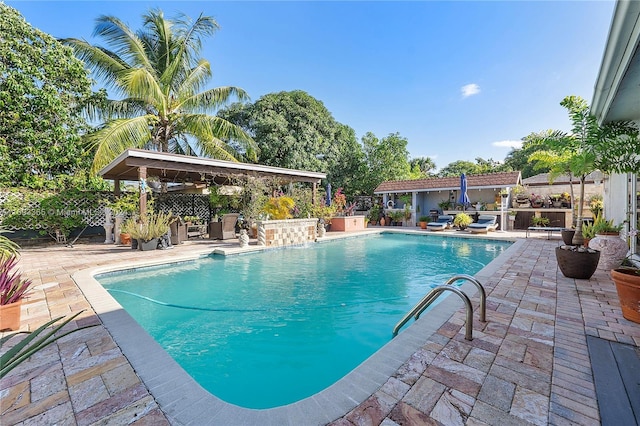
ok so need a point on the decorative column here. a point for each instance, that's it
(142, 177)
(262, 234)
(116, 229)
(108, 226)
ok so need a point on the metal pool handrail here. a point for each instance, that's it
(433, 295)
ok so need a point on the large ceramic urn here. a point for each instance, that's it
(613, 250)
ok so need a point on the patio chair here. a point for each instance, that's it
(225, 229)
(486, 223)
(443, 222)
(178, 230)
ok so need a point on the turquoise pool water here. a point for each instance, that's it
(266, 329)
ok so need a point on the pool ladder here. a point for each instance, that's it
(433, 295)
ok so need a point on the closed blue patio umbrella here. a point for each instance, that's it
(464, 197)
(328, 194)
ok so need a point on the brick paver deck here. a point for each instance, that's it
(528, 364)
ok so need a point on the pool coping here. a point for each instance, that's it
(184, 401)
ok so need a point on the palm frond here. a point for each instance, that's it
(140, 84)
(213, 99)
(124, 41)
(194, 80)
(118, 135)
(105, 64)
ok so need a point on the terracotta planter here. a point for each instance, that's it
(125, 239)
(577, 264)
(423, 225)
(613, 250)
(10, 316)
(628, 287)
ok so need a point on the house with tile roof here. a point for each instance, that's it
(431, 195)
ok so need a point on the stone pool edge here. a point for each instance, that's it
(184, 401)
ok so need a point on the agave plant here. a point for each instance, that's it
(12, 286)
(7, 247)
(29, 345)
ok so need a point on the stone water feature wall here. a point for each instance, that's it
(288, 232)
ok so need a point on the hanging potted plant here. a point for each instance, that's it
(12, 290)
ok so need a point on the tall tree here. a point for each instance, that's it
(458, 167)
(295, 130)
(518, 159)
(422, 167)
(158, 71)
(42, 87)
(387, 159)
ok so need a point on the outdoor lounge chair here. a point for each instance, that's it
(226, 229)
(486, 223)
(443, 222)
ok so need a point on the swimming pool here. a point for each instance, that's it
(294, 319)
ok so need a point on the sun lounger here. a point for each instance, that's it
(443, 222)
(486, 223)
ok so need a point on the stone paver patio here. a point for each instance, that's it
(528, 364)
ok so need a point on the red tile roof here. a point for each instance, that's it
(491, 180)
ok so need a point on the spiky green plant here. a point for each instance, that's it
(22, 350)
(7, 247)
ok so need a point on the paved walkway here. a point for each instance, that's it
(529, 364)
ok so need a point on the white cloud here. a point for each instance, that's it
(470, 90)
(507, 144)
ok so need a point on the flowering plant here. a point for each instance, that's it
(12, 286)
(339, 200)
(536, 198)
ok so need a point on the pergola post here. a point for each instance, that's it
(116, 187)
(142, 177)
(314, 192)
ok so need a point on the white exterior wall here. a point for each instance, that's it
(615, 198)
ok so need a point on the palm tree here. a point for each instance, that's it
(576, 153)
(160, 76)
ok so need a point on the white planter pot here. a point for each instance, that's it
(613, 250)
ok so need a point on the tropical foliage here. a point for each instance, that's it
(12, 286)
(577, 153)
(160, 76)
(279, 207)
(42, 89)
(33, 342)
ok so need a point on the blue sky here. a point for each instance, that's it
(458, 79)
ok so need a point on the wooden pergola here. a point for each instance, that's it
(138, 165)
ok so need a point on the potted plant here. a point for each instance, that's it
(462, 220)
(423, 221)
(627, 281)
(607, 240)
(153, 182)
(444, 205)
(13, 289)
(539, 221)
(397, 216)
(149, 228)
